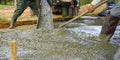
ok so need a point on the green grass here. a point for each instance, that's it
(3, 6)
(83, 2)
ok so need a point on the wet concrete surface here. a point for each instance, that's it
(73, 43)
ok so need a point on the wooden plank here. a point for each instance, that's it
(18, 23)
(13, 50)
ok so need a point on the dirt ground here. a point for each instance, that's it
(6, 15)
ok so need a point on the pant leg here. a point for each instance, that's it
(34, 8)
(115, 11)
(111, 21)
(50, 2)
(22, 5)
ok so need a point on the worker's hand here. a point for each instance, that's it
(90, 8)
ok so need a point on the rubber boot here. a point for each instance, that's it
(12, 25)
(109, 26)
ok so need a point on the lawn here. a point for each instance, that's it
(4, 6)
(83, 2)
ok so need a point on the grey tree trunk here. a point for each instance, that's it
(15, 3)
(45, 20)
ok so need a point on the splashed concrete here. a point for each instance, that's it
(57, 44)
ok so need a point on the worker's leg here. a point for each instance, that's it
(111, 22)
(75, 7)
(109, 25)
(19, 10)
(72, 3)
(34, 8)
(76, 11)
(50, 2)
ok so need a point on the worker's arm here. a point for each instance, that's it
(92, 4)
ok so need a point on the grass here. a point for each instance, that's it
(4, 6)
(83, 2)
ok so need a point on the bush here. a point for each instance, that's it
(6, 2)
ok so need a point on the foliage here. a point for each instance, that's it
(3, 6)
(6, 2)
(83, 2)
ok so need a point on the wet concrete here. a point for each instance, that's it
(80, 42)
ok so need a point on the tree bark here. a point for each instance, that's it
(45, 20)
(5, 2)
(0, 1)
(15, 3)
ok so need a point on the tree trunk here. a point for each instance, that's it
(15, 3)
(0, 1)
(5, 2)
(45, 20)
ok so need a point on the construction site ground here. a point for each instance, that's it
(26, 21)
(79, 43)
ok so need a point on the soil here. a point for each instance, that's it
(7, 14)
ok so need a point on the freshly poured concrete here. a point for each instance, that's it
(80, 43)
